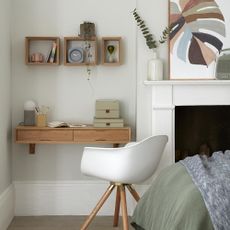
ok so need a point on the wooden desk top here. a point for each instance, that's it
(79, 135)
(74, 128)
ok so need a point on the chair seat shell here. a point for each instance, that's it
(131, 164)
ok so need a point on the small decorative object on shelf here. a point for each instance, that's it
(37, 57)
(75, 55)
(42, 50)
(79, 51)
(87, 30)
(155, 65)
(111, 51)
(155, 68)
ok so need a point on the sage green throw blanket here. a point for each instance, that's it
(173, 202)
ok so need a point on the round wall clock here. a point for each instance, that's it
(75, 55)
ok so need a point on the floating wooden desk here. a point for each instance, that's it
(83, 135)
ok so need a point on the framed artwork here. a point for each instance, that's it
(199, 32)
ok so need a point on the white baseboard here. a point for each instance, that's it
(65, 198)
(6, 207)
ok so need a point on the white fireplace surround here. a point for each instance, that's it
(166, 95)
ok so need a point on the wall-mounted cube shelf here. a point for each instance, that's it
(79, 52)
(111, 51)
(42, 50)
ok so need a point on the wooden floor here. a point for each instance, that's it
(62, 223)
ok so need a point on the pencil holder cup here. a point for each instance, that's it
(41, 120)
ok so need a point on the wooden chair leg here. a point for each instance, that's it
(98, 206)
(124, 208)
(117, 208)
(133, 192)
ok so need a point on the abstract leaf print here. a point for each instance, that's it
(197, 29)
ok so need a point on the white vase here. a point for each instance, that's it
(155, 68)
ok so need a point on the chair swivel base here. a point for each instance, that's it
(120, 199)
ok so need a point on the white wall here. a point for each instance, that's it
(66, 89)
(155, 14)
(71, 97)
(5, 99)
(6, 188)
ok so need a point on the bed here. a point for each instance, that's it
(175, 202)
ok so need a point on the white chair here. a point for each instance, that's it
(124, 166)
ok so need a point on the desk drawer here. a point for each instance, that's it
(36, 136)
(56, 135)
(27, 135)
(102, 135)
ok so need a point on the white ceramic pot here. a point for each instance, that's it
(155, 68)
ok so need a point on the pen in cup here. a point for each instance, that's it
(41, 118)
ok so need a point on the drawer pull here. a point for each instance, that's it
(100, 139)
(107, 110)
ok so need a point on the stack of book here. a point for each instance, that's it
(107, 114)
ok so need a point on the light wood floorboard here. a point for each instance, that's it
(61, 223)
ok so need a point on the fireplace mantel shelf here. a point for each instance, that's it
(188, 82)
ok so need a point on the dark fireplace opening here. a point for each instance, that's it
(201, 130)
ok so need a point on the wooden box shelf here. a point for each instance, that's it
(43, 46)
(80, 52)
(44, 135)
(111, 51)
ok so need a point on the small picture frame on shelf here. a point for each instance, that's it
(111, 51)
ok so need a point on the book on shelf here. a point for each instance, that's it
(63, 124)
(52, 53)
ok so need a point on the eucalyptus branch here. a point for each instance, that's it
(165, 34)
(151, 42)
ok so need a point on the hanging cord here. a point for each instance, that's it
(88, 77)
(88, 69)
